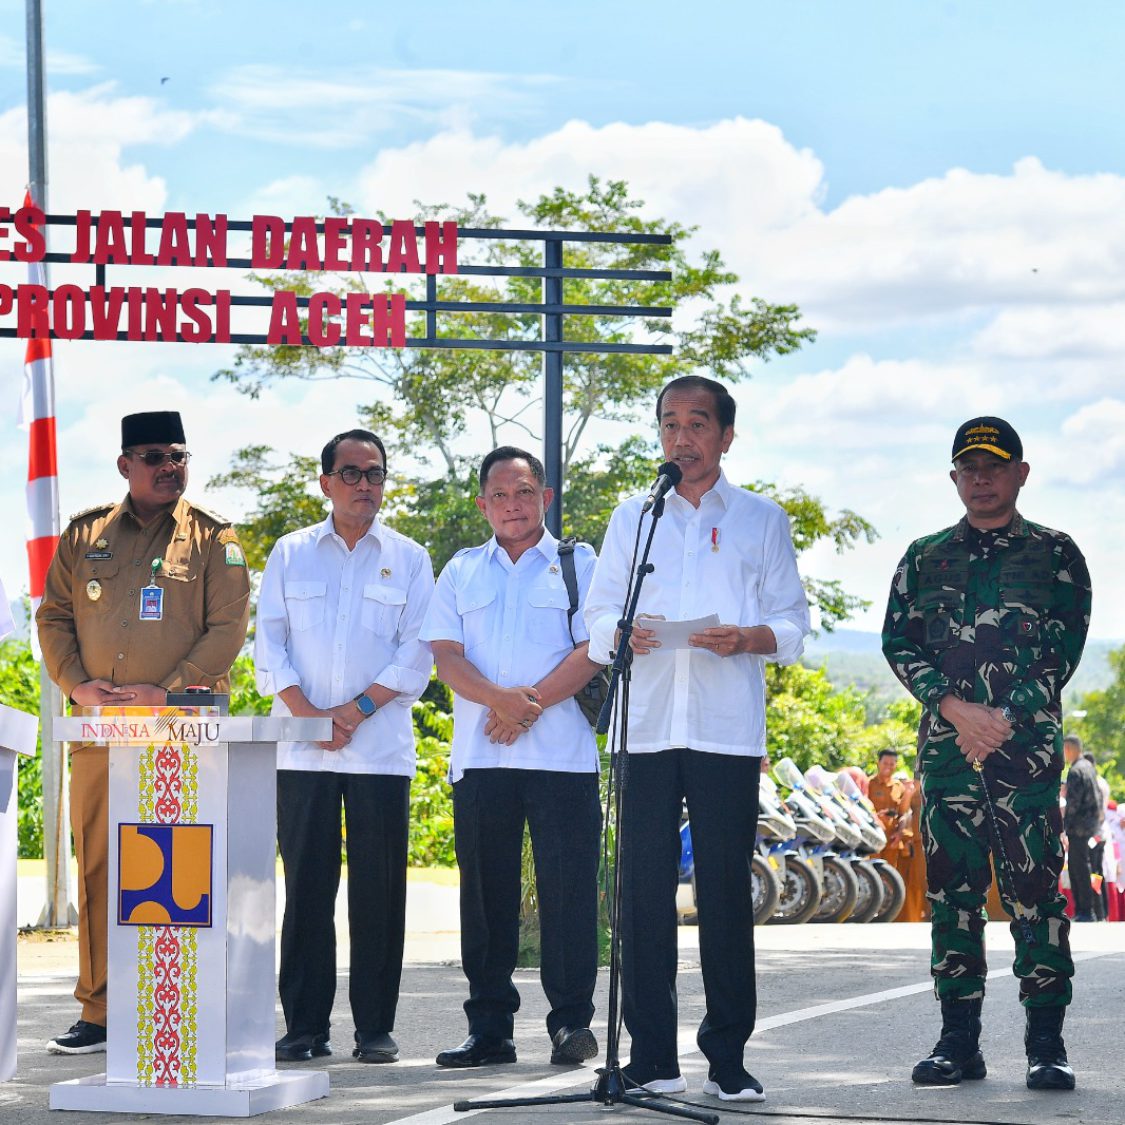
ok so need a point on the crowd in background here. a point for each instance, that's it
(897, 796)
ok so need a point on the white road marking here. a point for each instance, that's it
(445, 1115)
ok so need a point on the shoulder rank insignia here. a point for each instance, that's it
(209, 514)
(228, 535)
(90, 511)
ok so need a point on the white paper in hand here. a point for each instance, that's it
(674, 634)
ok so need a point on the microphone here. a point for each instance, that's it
(668, 476)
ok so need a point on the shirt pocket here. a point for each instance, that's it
(101, 579)
(1021, 613)
(382, 608)
(547, 617)
(474, 608)
(305, 604)
(939, 610)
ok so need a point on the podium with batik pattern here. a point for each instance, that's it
(192, 914)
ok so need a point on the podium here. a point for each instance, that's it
(18, 734)
(192, 886)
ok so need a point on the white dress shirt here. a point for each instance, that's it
(334, 622)
(511, 620)
(733, 555)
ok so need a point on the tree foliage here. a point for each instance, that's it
(19, 688)
(428, 399)
(1098, 718)
(284, 498)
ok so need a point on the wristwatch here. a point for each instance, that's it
(1007, 714)
(365, 704)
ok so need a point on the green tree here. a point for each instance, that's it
(896, 730)
(808, 720)
(1098, 718)
(428, 399)
(19, 688)
(284, 498)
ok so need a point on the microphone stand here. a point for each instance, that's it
(612, 1087)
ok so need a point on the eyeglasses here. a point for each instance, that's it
(351, 475)
(156, 457)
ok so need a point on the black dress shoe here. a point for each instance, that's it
(573, 1045)
(297, 1048)
(377, 1047)
(479, 1050)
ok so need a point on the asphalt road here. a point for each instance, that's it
(844, 1011)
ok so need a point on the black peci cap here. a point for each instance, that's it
(993, 435)
(156, 427)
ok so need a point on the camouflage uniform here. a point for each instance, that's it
(996, 617)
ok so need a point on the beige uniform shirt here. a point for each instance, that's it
(89, 620)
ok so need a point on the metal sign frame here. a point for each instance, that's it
(553, 308)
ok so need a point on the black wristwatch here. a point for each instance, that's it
(1007, 714)
(365, 704)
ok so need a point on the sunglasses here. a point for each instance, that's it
(156, 457)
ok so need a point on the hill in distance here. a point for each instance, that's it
(854, 658)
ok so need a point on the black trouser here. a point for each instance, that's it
(564, 818)
(722, 797)
(377, 811)
(1078, 866)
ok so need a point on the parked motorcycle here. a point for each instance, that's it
(894, 887)
(863, 814)
(803, 882)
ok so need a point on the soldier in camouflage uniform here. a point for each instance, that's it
(985, 624)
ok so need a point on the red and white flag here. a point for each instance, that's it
(37, 416)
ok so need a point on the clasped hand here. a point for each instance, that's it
(105, 693)
(981, 730)
(514, 711)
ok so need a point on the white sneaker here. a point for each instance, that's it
(675, 1085)
(739, 1087)
(671, 1084)
(82, 1039)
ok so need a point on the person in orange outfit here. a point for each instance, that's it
(891, 799)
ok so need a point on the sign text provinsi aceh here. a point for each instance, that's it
(198, 315)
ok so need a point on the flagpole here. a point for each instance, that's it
(57, 911)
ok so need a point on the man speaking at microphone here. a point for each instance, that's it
(696, 732)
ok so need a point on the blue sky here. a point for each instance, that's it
(940, 186)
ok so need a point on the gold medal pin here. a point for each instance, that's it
(93, 589)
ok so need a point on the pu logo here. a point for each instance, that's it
(164, 875)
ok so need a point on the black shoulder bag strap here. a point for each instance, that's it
(570, 578)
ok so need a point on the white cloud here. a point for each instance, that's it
(937, 251)
(291, 195)
(752, 174)
(90, 131)
(13, 56)
(961, 242)
(1067, 332)
(346, 110)
(1015, 281)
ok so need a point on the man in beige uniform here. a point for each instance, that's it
(143, 597)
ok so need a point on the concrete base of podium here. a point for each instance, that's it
(278, 1091)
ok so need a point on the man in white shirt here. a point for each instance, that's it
(340, 607)
(696, 731)
(522, 751)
